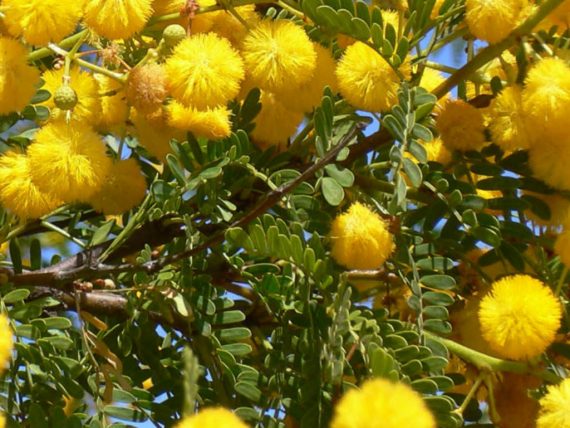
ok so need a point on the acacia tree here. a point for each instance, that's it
(198, 225)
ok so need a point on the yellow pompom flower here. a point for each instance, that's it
(154, 133)
(18, 193)
(117, 19)
(380, 403)
(204, 71)
(460, 126)
(42, 21)
(360, 239)
(213, 124)
(546, 98)
(562, 247)
(549, 162)
(146, 87)
(114, 108)
(88, 106)
(2, 421)
(437, 152)
(508, 123)
(519, 317)
(213, 417)
(68, 160)
(366, 80)
(309, 94)
(6, 341)
(17, 78)
(228, 26)
(278, 55)
(492, 21)
(555, 407)
(124, 188)
(275, 123)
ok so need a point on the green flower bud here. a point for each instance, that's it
(65, 97)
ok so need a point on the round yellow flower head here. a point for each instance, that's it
(88, 105)
(204, 71)
(508, 122)
(228, 26)
(6, 341)
(380, 403)
(213, 124)
(278, 55)
(555, 407)
(360, 239)
(546, 98)
(562, 247)
(68, 160)
(366, 80)
(460, 126)
(114, 108)
(275, 123)
(117, 19)
(124, 188)
(309, 94)
(213, 417)
(18, 193)
(154, 133)
(519, 317)
(437, 152)
(146, 87)
(549, 161)
(17, 78)
(42, 21)
(492, 21)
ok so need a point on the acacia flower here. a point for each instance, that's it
(68, 160)
(117, 19)
(366, 80)
(88, 105)
(380, 403)
(213, 124)
(278, 55)
(309, 94)
(204, 71)
(519, 317)
(124, 188)
(42, 21)
(461, 126)
(275, 123)
(555, 407)
(549, 161)
(18, 193)
(508, 122)
(546, 99)
(212, 417)
(17, 78)
(360, 239)
(146, 87)
(437, 152)
(492, 21)
(228, 26)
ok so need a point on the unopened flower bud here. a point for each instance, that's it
(65, 97)
(173, 34)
